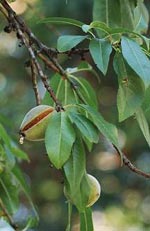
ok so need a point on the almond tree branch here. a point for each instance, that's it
(27, 38)
(49, 57)
(128, 163)
(37, 48)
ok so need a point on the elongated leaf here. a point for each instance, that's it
(105, 11)
(146, 101)
(100, 50)
(143, 124)
(67, 42)
(83, 66)
(10, 146)
(20, 179)
(80, 196)
(19, 153)
(4, 136)
(86, 222)
(74, 168)
(59, 139)
(131, 88)
(107, 129)
(87, 129)
(126, 12)
(9, 192)
(141, 18)
(100, 26)
(63, 90)
(136, 58)
(62, 21)
(85, 91)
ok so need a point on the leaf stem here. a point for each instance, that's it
(69, 216)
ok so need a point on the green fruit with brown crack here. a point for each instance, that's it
(95, 190)
(35, 123)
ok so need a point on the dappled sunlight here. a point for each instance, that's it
(20, 6)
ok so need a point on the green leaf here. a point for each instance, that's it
(105, 11)
(10, 146)
(9, 192)
(85, 91)
(100, 26)
(126, 12)
(100, 50)
(86, 222)
(136, 58)
(107, 129)
(74, 168)
(131, 89)
(62, 21)
(59, 138)
(19, 153)
(4, 136)
(143, 124)
(83, 66)
(63, 90)
(31, 223)
(80, 196)
(146, 100)
(20, 179)
(67, 42)
(85, 126)
(141, 18)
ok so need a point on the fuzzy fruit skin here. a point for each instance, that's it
(35, 123)
(95, 190)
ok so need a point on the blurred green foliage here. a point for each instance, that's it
(125, 200)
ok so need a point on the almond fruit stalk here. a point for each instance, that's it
(35, 123)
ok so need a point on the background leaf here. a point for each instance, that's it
(131, 89)
(61, 21)
(146, 100)
(105, 11)
(67, 42)
(136, 58)
(143, 124)
(20, 179)
(100, 50)
(9, 192)
(141, 17)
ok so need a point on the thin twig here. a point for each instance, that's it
(6, 214)
(128, 163)
(34, 83)
(21, 29)
(50, 54)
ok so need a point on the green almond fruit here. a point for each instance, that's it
(95, 190)
(35, 123)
